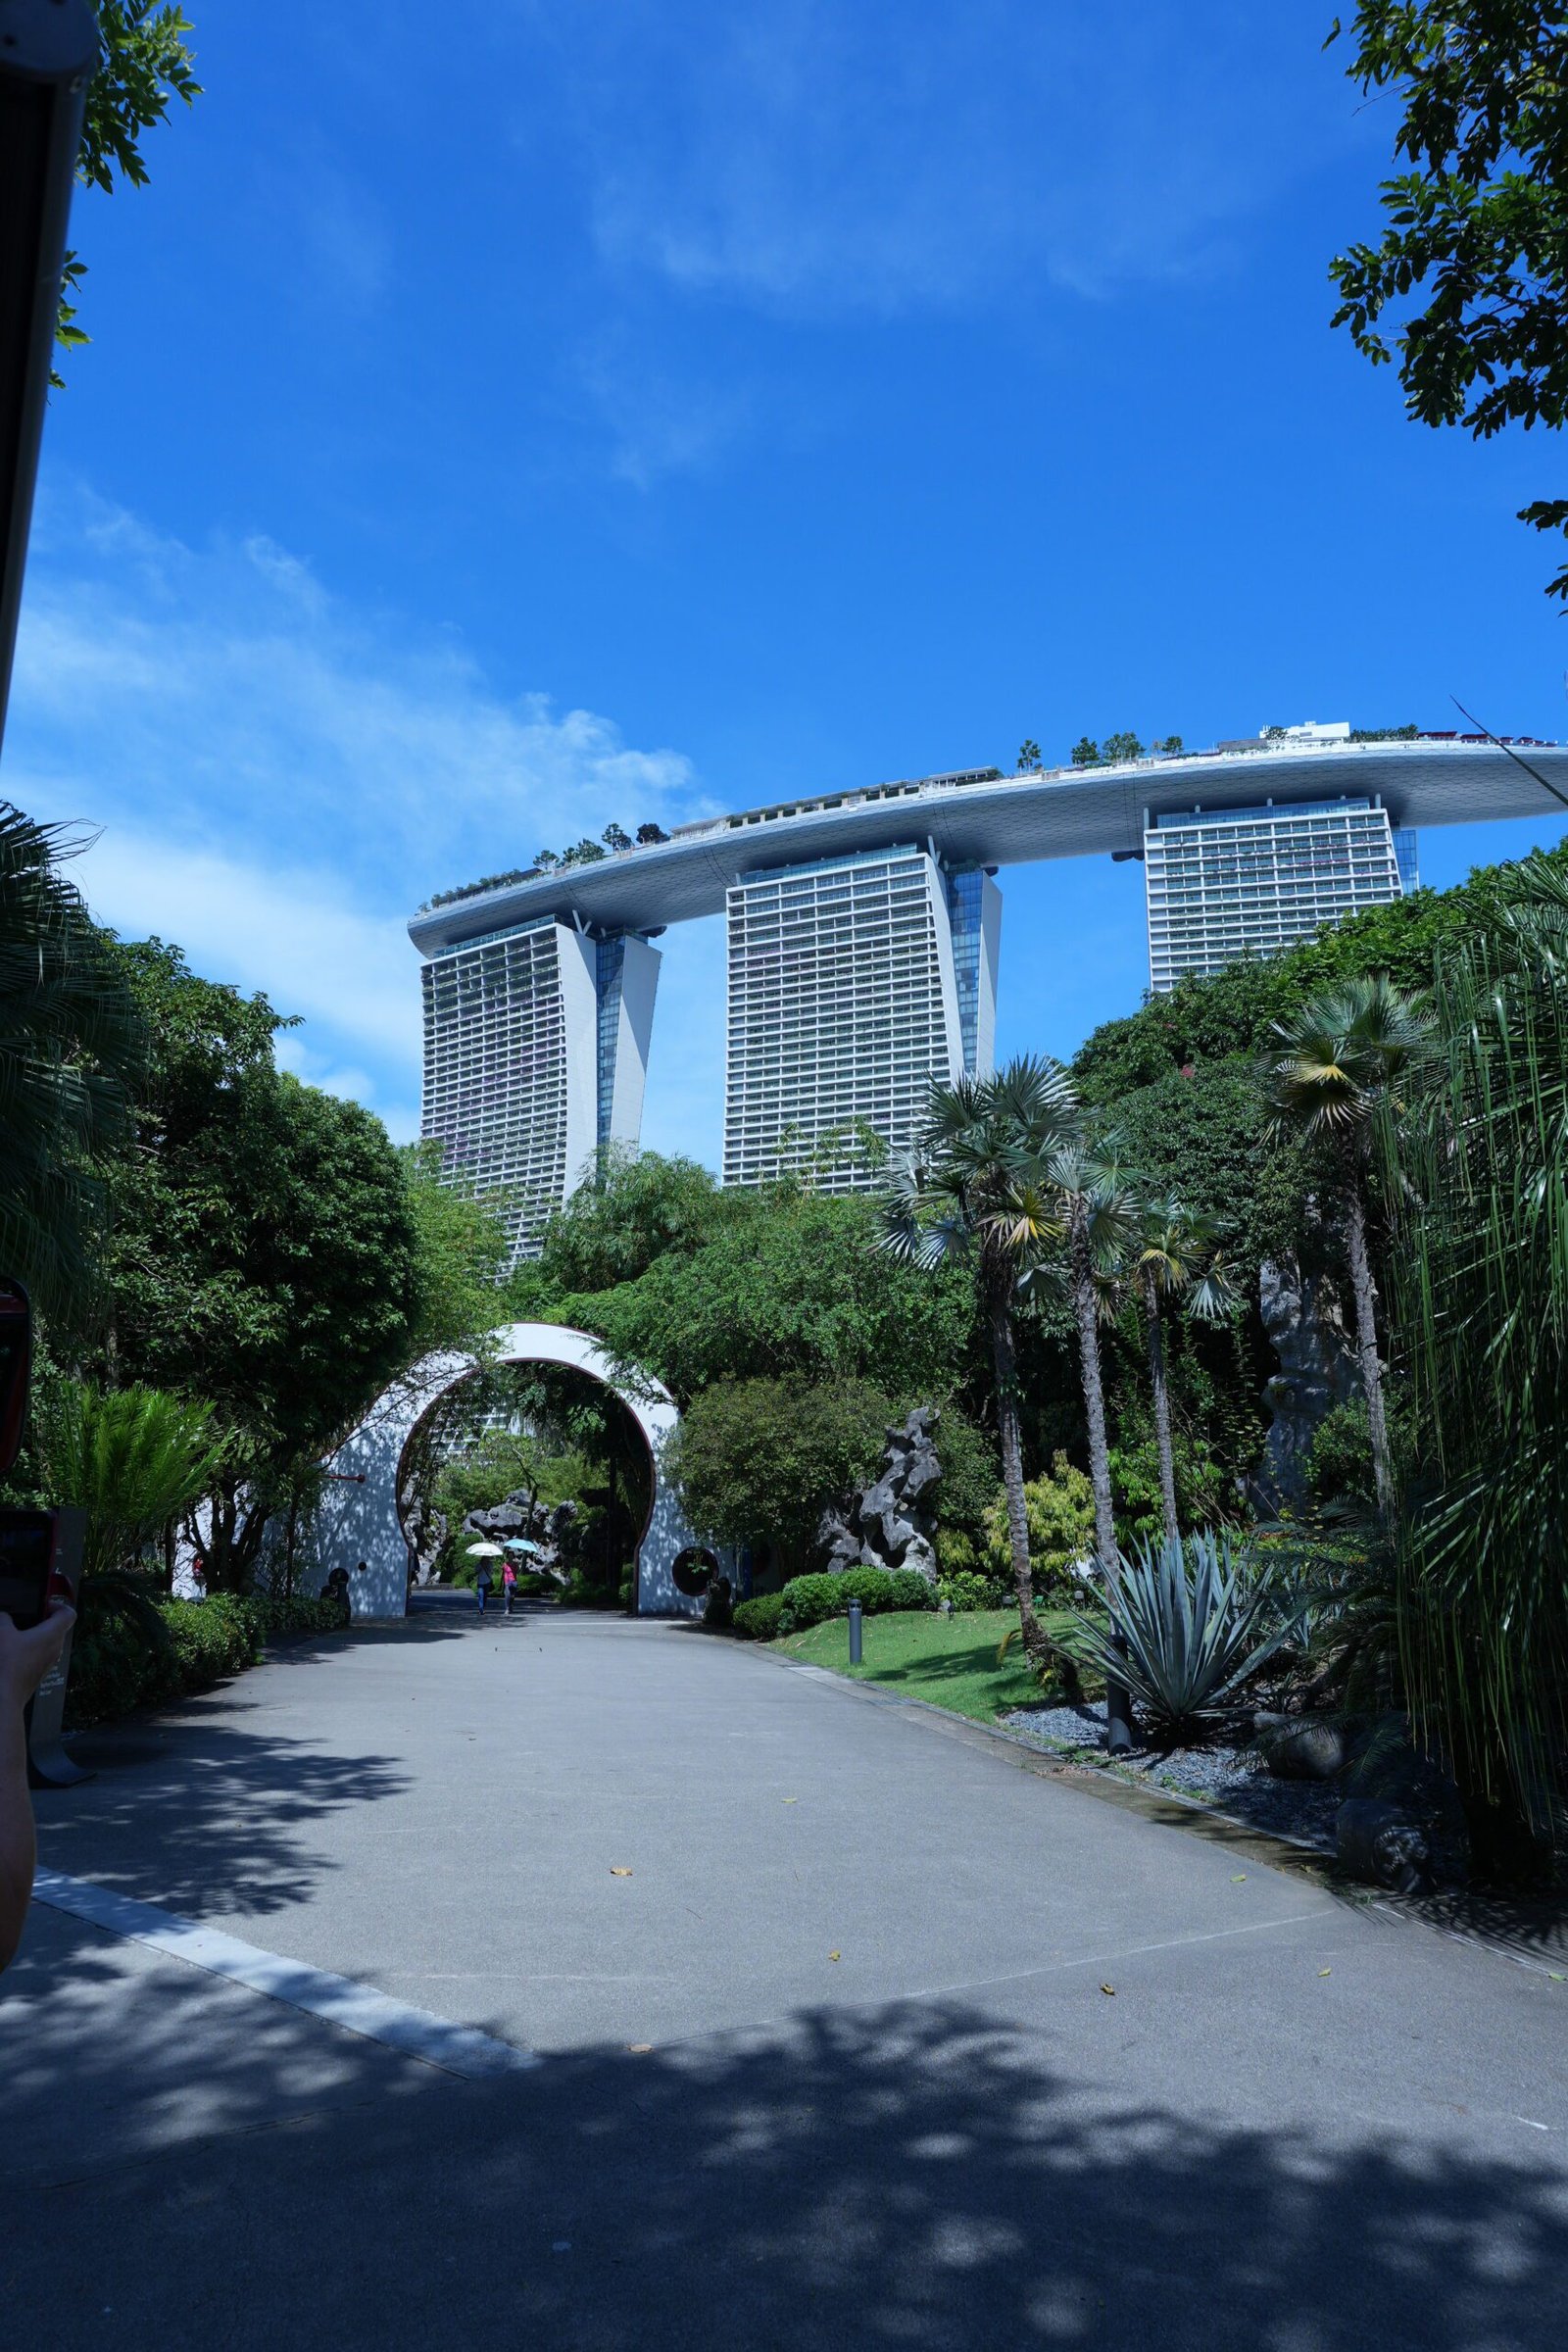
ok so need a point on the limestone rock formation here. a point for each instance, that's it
(518, 1514)
(1317, 1371)
(892, 1523)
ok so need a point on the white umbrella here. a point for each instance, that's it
(484, 1551)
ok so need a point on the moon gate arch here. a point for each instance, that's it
(358, 1519)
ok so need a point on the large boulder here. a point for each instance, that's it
(1295, 1749)
(1382, 1846)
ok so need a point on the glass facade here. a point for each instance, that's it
(964, 899)
(844, 1002)
(1232, 882)
(495, 1072)
(535, 1051)
(612, 966)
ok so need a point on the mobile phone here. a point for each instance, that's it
(26, 1566)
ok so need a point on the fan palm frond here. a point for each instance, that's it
(72, 1048)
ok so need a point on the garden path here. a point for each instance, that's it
(883, 2040)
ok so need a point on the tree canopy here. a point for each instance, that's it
(1472, 269)
(269, 1250)
(756, 1460)
(146, 61)
(784, 1282)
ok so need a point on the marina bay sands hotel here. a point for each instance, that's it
(864, 935)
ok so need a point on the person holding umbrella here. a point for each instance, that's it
(484, 1582)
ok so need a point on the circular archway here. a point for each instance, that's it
(357, 1521)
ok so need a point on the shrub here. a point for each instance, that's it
(809, 1599)
(1194, 1624)
(968, 1591)
(114, 1667)
(1059, 1507)
(756, 1619)
(1338, 1465)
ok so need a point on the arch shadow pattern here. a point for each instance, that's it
(358, 1515)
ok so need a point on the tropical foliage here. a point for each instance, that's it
(974, 1192)
(71, 1050)
(1191, 1622)
(1471, 266)
(756, 1460)
(1478, 1171)
(1343, 1054)
(133, 1460)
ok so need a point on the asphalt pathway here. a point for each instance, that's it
(821, 2027)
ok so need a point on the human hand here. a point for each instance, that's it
(27, 1657)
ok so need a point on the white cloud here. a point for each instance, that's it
(278, 781)
(817, 160)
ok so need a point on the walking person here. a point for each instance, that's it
(482, 1583)
(509, 1586)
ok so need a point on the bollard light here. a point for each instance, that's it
(48, 53)
(854, 1633)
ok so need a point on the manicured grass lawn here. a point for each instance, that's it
(951, 1661)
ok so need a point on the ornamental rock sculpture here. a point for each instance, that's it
(891, 1524)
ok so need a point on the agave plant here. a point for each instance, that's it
(1191, 1623)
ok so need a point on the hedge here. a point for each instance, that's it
(758, 1620)
(809, 1599)
(116, 1667)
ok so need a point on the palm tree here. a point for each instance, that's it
(1091, 1210)
(1342, 1055)
(974, 1187)
(1177, 1258)
(70, 1048)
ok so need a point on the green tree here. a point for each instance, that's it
(971, 1192)
(146, 61)
(1335, 1063)
(264, 1254)
(1124, 745)
(1090, 1209)
(787, 1284)
(1086, 752)
(1029, 757)
(634, 1208)
(1473, 264)
(461, 1250)
(760, 1459)
(1176, 1261)
(72, 1049)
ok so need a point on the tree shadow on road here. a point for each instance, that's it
(204, 1816)
(907, 2177)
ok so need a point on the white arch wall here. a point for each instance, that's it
(357, 1518)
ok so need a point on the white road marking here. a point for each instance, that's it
(341, 2000)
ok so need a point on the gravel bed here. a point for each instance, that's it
(1234, 1779)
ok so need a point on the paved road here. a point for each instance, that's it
(835, 2065)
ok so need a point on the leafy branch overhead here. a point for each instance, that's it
(1467, 288)
(147, 60)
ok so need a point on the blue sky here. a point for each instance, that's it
(631, 409)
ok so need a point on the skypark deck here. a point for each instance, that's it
(974, 817)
